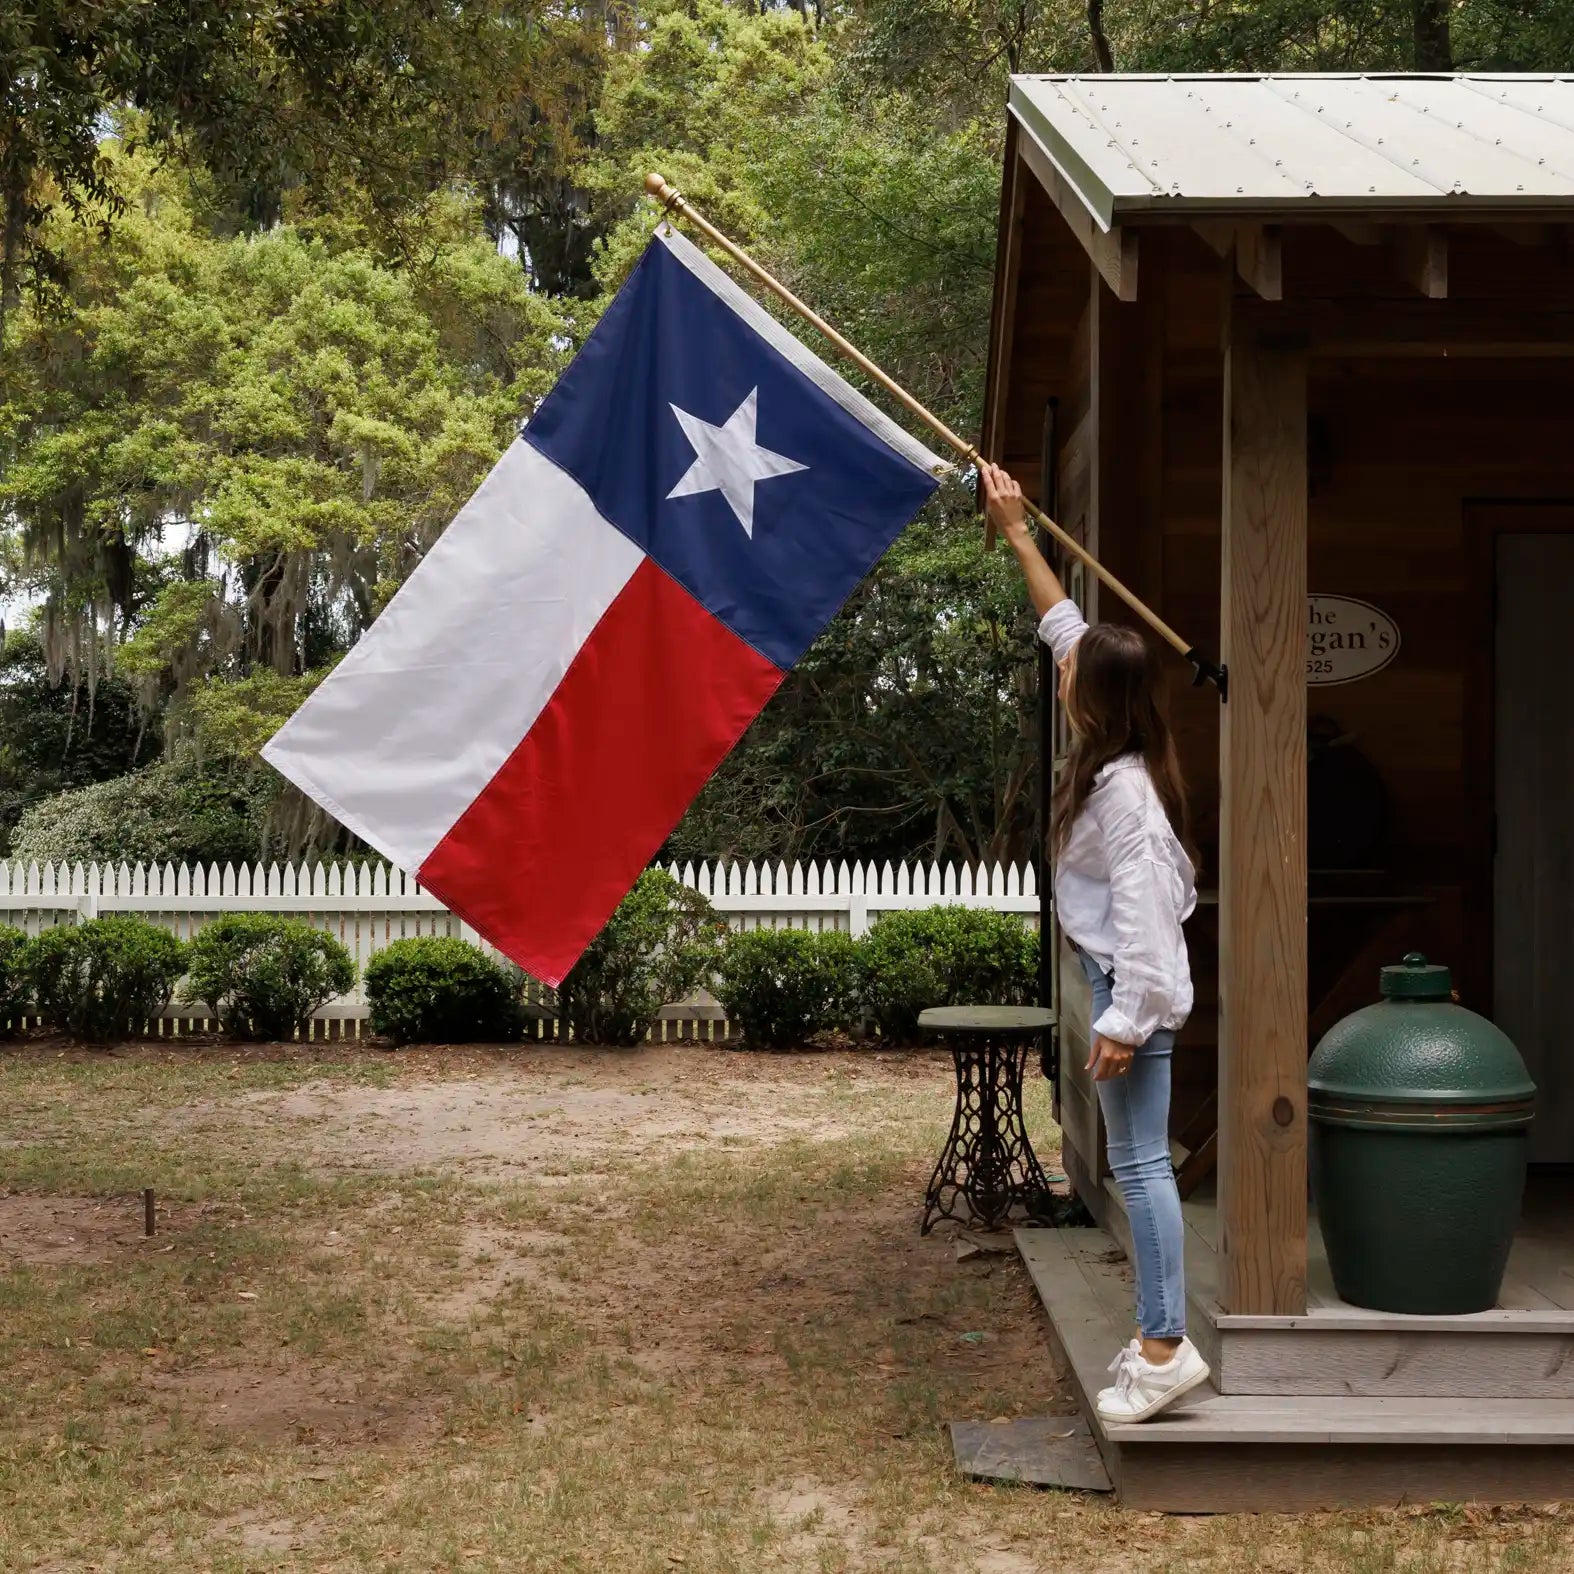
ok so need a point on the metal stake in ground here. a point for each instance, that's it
(1204, 669)
(149, 1212)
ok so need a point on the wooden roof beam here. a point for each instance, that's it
(1114, 251)
(1370, 327)
(1259, 259)
(1418, 253)
(1359, 232)
(1527, 235)
(1257, 250)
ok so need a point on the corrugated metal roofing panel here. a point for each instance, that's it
(1276, 142)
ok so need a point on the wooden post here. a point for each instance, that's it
(1048, 684)
(1262, 825)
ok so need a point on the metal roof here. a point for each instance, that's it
(1131, 144)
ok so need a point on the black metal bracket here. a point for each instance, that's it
(1205, 670)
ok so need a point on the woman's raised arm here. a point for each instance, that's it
(1003, 499)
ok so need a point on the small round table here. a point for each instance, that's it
(987, 1166)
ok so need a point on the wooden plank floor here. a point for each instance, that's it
(1288, 1451)
(1522, 1349)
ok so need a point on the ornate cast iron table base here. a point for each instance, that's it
(987, 1166)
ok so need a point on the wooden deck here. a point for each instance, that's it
(1279, 1451)
(1523, 1349)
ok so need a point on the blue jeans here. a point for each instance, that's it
(1137, 1127)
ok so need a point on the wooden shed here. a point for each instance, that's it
(1294, 357)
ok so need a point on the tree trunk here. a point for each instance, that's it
(1434, 50)
(1103, 56)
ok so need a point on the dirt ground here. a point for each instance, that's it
(543, 1309)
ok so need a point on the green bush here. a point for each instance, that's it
(13, 990)
(782, 985)
(178, 810)
(435, 990)
(102, 979)
(264, 976)
(660, 944)
(944, 956)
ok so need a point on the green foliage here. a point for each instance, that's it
(56, 736)
(660, 944)
(365, 105)
(944, 956)
(432, 989)
(176, 811)
(14, 995)
(311, 415)
(265, 975)
(784, 985)
(104, 979)
(231, 718)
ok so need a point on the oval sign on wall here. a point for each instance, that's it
(1347, 639)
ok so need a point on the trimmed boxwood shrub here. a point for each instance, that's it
(660, 944)
(264, 975)
(432, 989)
(944, 956)
(103, 979)
(782, 985)
(13, 990)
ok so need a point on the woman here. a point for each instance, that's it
(1124, 883)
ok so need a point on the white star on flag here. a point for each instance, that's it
(729, 461)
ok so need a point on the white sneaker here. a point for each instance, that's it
(1142, 1389)
(1117, 1366)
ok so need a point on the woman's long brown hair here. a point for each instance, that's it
(1115, 707)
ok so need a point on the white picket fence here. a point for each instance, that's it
(850, 897)
(369, 906)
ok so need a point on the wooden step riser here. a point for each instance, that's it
(1463, 1365)
(1296, 1478)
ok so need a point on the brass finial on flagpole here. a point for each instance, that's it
(674, 202)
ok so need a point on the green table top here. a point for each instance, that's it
(986, 1019)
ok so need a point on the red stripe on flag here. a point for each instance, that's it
(645, 713)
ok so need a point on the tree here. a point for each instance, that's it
(1433, 51)
(376, 100)
(236, 449)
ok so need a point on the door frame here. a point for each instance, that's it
(1485, 519)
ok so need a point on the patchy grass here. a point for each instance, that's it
(542, 1310)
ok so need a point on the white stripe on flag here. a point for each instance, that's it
(430, 703)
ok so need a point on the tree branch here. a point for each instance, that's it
(1103, 55)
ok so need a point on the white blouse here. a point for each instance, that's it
(1123, 883)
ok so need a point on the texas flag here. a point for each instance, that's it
(530, 716)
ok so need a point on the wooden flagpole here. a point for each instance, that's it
(674, 202)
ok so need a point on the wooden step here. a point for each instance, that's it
(1290, 1452)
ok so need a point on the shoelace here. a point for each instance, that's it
(1124, 1366)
